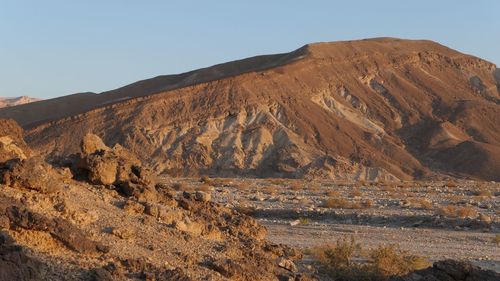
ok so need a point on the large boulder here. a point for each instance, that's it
(451, 270)
(12, 145)
(32, 173)
(116, 166)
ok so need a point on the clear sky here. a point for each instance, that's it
(51, 48)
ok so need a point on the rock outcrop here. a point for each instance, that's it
(12, 145)
(451, 270)
(113, 223)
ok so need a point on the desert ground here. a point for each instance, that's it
(438, 220)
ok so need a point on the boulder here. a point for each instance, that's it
(116, 166)
(92, 143)
(32, 173)
(451, 270)
(12, 145)
(15, 264)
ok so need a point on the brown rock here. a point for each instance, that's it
(202, 196)
(32, 173)
(92, 143)
(288, 265)
(12, 145)
(15, 264)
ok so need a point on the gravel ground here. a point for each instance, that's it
(409, 214)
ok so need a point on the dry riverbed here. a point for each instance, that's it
(437, 220)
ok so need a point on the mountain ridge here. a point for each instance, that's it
(344, 110)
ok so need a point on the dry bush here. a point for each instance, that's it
(421, 203)
(355, 193)
(336, 203)
(467, 212)
(277, 181)
(243, 185)
(390, 261)
(458, 212)
(456, 198)
(450, 184)
(270, 190)
(341, 261)
(388, 188)
(341, 203)
(496, 239)
(332, 193)
(216, 182)
(368, 203)
(303, 221)
(296, 186)
(482, 192)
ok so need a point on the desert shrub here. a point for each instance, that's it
(296, 186)
(270, 190)
(467, 212)
(340, 255)
(243, 185)
(277, 181)
(303, 221)
(390, 261)
(341, 203)
(496, 239)
(421, 203)
(344, 261)
(332, 193)
(368, 203)
(450, 184)
(336, 203)
(458, 212)
(355, 193)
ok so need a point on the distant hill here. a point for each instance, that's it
(369, 109)
(6, 102)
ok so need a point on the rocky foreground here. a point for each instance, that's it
(100, 215)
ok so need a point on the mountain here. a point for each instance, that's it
(6, 102)
(379, 108)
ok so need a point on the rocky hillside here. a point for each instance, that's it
(7, 102)
(371, 109)
(100, 216)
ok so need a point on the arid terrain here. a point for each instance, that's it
(438, 220)
(374, 160)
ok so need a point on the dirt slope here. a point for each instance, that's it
(369, 109)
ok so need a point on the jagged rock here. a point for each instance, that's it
(152, 209)
(12, 145)
(92, 143)
(133, 207)
(33, 173)
(15, 264)
(451, 270)
(202, 196)
(123, 232)
(288, 265)
(115, 166)
(187, 225)
(59, 228)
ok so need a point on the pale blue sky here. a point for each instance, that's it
(51, 48)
